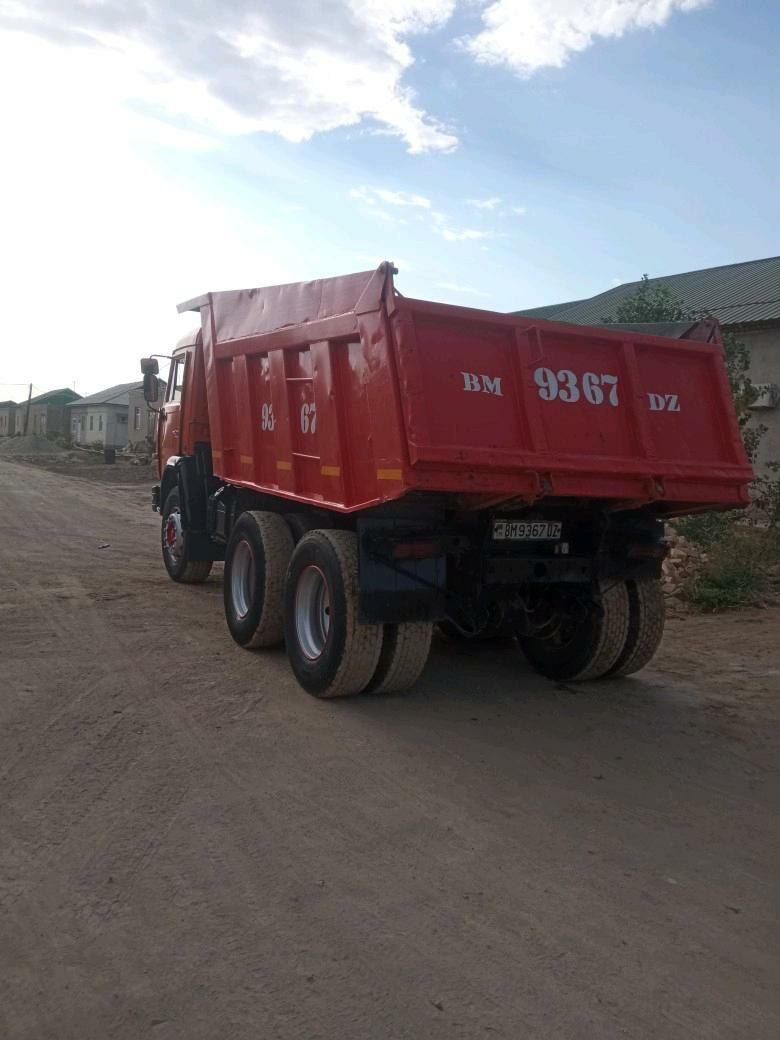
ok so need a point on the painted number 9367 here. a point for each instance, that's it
(567, 386)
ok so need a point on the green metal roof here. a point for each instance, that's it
(736, 294)
(62, 396)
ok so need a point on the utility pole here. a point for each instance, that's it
(27, 413)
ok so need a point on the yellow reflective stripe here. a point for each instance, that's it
(389, 474)
(284, 465)
(247, 459)
(330, 471)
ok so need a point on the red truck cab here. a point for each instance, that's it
(183, 416)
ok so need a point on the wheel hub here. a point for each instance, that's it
(312, 612)
(174, 536)
(242, 578)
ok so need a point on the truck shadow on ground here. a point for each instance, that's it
(494, 691)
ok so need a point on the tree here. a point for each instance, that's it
(650, 302)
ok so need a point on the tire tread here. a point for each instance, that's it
(276, 544)
(405, 651)
(646, 626)
(612, 634)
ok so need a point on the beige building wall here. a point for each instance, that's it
(140, 420)
(99, 424)
(764, 345)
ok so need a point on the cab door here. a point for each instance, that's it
(169, 423)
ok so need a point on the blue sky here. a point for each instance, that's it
(150, 163)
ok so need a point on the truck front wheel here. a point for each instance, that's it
(331, 654)
(578, 636)
(256, 560)
(175, 547)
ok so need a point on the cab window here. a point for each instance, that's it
(176, 380)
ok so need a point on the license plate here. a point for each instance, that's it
(527, 530)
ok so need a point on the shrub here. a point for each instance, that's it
(737, 572)
(706, 529)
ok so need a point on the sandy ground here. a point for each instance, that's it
(192, 848)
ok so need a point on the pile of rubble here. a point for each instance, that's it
(683, 563)
(32, 444)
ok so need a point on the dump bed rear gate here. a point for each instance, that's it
(343, 393)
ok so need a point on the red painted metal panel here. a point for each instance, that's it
(341, 392)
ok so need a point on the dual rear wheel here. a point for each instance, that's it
(307, 597)
(613, 632)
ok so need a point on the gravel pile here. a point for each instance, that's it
(32, 444)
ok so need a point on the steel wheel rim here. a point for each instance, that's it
(173, 535)
(312, 612)
(242, 578)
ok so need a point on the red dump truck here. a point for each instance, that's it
(369, 466)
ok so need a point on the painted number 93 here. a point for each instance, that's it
(565, 386)
(267, 420)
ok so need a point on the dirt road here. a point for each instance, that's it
(192, 848)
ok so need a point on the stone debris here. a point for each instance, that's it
(32, 444)
(681, 565)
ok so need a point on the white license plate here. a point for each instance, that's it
(527, 530)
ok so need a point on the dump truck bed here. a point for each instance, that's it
(343, 393)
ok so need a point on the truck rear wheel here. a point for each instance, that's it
(256, 560)
(330, 653)
(583, 635)
(647, 613)
(175, 547)
(405, 652)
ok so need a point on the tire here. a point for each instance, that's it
(256, 560)
(405, 651)
(647, 614)
(330, 653)
(173, 540)
(591, 639)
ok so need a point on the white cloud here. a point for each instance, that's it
(528, 35)
(490, 203)
(464, 289)
(519, 211)
(288, 67)
(462, 234)
(442, 225)
(93, 230)
(372, 196)
(296, 68)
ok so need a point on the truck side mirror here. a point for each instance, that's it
(151, 387)
(149, 364)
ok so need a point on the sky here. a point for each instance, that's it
(503, 153)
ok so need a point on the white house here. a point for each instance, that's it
(102, 418)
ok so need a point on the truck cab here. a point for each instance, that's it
(183, 415)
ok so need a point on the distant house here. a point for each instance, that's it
(140, 420)
(102, 418)
(745, 298)
(7, 418)
(48, 412)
